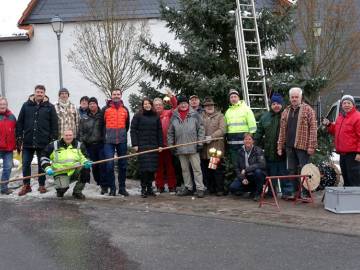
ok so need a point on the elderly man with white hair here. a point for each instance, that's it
(297, 138)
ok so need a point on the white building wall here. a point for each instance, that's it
(28, 63)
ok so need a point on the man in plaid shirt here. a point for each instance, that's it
(297, 138)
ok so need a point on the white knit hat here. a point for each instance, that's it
(348, 97)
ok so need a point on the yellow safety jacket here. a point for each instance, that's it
(64, 156)
(240, 119)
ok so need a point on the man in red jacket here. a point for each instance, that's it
(346, 130)
(7, 142)
(165, 160)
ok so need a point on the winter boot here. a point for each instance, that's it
(123, 192)
(25, 189)
(42, 189)
(143, 193)
(104, 190)
(112, 192)
(60, 192)
(185, 192)
(79, 196)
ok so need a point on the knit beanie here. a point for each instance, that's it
(277, 97)
(64, 90)
(349, 98)
(233, 91)
(182, 99)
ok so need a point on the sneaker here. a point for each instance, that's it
(79, 196)
(185, 192)
(123, 192)
(42, 189)
(6, 192)
(200, 194)
(25, 189)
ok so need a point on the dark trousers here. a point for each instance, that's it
(109, 152)
(213, 179)
(234, 153)
(295, 159)
(256, 181)
(146, 179)
(350, 169)
(27, 157)
(278, 168)
(96, 152)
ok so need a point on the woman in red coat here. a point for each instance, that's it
(346, 130)
(7, 142)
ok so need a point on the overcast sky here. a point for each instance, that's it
(10, 13)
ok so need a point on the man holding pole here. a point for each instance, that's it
(63, 154)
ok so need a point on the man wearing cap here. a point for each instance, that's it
(84, 105)
(214, 125)
(91, 134)
(239, 120)
(267, 135)
(166, 168)
(36, 127)
(298, 134)
(186, 126)
(346, 130)
(195, 104)
(67, 113)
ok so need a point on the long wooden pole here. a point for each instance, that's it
(115, 158)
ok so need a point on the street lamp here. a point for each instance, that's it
(317, 34)
(58, 27)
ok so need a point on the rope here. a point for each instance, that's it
(115, 158)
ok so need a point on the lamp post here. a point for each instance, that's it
(58, 27)
(317, 34)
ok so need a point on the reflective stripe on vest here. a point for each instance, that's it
(240, 119)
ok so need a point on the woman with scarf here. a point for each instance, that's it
(146, 134)
(68, 115)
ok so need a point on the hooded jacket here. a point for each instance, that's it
(37, 124)
(7, 131)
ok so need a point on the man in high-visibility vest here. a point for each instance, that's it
(66, 153)
(239, 120)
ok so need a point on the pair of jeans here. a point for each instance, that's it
(27, 157)
(213, 179)
(350, 169)
(96, 152)
(194, 160)
(295, 159)
(278, 168)
(109, 152)
(256, 181)
(165, 167)
(7, 157)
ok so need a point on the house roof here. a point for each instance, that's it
(41, 11)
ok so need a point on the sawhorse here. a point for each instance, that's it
(298, 197)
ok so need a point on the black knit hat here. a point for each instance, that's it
(64, 90)
(93, 99)
(182, 99)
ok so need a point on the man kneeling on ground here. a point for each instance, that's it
(250, 170)
(66, 153)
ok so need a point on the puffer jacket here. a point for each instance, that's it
(256, 160)
(117, 122)
(146, 134)
(7, 131)
(37, 124)
(267, 135)
(189, 130)
(214, 125)
(91, 128)
(347, 132)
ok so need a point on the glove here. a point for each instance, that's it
(49, 171)
(87, 164)
(208, 138)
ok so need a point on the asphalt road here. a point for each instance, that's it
(53, 234)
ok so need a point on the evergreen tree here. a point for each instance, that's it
(208, 63)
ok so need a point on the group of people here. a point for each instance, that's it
(68, 140)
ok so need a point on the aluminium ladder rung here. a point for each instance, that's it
(248, 17)
(245, 5)
(249, 29)
(250, 42)
(253, 55)
(255, 81)
(254, 68)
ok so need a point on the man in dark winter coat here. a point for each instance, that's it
(251, 168)
(267, 135)
(146, 134)
(91, 133)
(36, 127)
